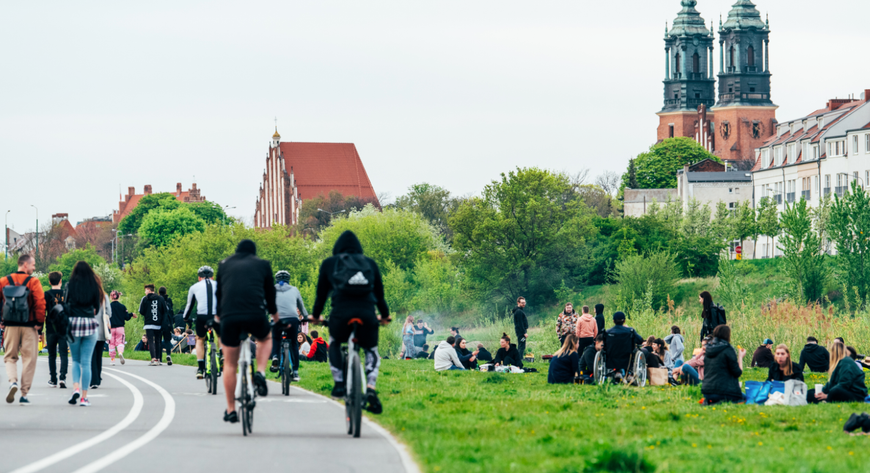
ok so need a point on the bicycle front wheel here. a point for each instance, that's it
(287, 374)
(355, 395)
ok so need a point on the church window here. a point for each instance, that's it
(750, 55)
(697, 95)
(677, 63)
(696, 63)
(731, 58)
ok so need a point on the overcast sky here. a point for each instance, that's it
(97, 96)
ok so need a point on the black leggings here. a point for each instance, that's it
(155, 338)
(97, 364)
(836, 394)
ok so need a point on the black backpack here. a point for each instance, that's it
(16, 308)
(353, 275)
(717, 316)
(58, 313)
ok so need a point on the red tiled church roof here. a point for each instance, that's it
(319, 168)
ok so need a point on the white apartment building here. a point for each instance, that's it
(814, 156)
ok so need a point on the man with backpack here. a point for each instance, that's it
(356, 286)
(23, 305)
(55, 335)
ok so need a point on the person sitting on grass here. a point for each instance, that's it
(423, 353)
(142, 345)
(859, 359)
(763, 356)
(565, 364)
(815, 356)
(319, 349)
(446, 358)
(845, 381)
(676, 347)
(482, 353)
(466, 356)
(654, 352)
(507, 355)
(723, 368)
(304, 345)
(692, 371)
(587, 360)
(783, 369)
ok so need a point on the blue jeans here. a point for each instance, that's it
(82, 349)
(678, 363)
(454, 367)
(690, 374)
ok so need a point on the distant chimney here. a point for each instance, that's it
(834, 104)
(866, 95)
(130, 192)
(147, 189)
(178, 188)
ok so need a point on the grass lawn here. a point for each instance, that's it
(485, 422)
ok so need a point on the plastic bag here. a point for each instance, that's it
(795, 393)
(776, 399)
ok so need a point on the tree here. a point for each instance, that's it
(210, 212)
(657, 168)
(801, 247)
(849, 228)
(720, 226)
(130, 224)
(318, 212)
(523, 236)
(637, 274)
(432, 202)
(67, 261)
(609, 182)
(161, 226)
(742, 222)
(767, 220)
(596, 199)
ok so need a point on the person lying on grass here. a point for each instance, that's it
(445, 356)
(587, 361)
(466, 356)
(564, 366)
(845, 382)
(723, 368)
(507, 355)
(783, 369)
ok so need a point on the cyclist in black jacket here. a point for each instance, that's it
(345, 307)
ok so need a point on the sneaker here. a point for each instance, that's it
(75, 397)
(13, 388)
(295, 377)
(113, 363)
(274, 367)
(373, 404)
(159, 363)
(153, 363)
(673, 382)
(23, 400)
(260, 383)
(95, 386)
(339, 391)
(85, 402)
(231, 417)
(169, 361)
(62, 384)
(200, 373)
(121, 357)
(52, 383)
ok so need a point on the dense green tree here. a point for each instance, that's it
(849, 228)
(639, 274)
(160, 226)
(523, 236)
(210, 212)
(433, 202)
(657, 168)
(130, 224)
(742, 222)
(65, 262)
(317, 213)
(767, 220)
(801, 247)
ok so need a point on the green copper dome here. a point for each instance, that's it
(743, 15)
(689, 21)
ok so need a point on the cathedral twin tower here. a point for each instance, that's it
(741, 117)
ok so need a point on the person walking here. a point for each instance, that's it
(521, 325)
(103, 319)
(566, 322)
(152, 308)
(168, 324)
(117, 335)
(55, 341)
(23, 305)
(84, 296)
(707, 314)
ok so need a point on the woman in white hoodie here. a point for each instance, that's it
(445, 356)
(675, 347)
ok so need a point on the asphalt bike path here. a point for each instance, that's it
(144, 418)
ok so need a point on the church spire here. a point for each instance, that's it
(744, 77)
(689, 79)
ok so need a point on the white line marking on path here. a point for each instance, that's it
(168, 415)
(138, 402)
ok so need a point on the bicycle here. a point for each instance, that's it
(212, 368)
(353, 401)
(245, 393)
(285, 369)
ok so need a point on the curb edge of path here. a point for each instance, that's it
(408, 463)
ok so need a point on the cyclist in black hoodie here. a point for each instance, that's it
(814, 355)
(346, 306)
(521, 325)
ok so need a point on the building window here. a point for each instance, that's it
(778, 155)
(765, 157)
(821, 123)
(677, 63)
(854, 144)
(696, 63)
(816, 152)
(750, 56)
(867, 143)
(866, 178)
(671, 131)
(791, 153)
(731, 58)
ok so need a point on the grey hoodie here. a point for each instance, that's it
(675, 347)
(288, 299)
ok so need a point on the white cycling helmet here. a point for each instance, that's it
(205, 272)
(282, 276)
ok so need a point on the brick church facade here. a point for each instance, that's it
(299, 171)
(735, 122)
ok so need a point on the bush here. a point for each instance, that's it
(637, 275)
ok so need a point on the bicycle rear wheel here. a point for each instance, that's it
(243, 404)
(211, 378)
(355, 396)
(287, 374)
(598, 367)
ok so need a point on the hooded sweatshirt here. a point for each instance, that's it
(346, 305)
(245, 285)
(763, 357)
(599, 319)
(288, 300)
(722, 371)
(587, 327)
(816, 356)
(318, 350)
(849, 377)
(675, 347)
(511, 356)
(445, 357)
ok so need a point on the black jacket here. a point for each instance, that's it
(521, 323)
(587, 361)
(599, 319)
(465, 355)
(816, 357)
(245, 287)
(721, 370)
(421, 355)
(847, 376)
(510, 356)
(483, 354)
(776, 374)
(763, 357)
(619, 343)
(344, 305)
(563, 369)
(420, 335)
(652, 360)
(120, 315)
(152, 308)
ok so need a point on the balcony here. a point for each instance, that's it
(805, 195)
(789, 196)
(826, 191)
(840, 190)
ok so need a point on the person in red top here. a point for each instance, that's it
(23, 337)
(318, 349)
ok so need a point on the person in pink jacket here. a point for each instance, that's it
(586, 329)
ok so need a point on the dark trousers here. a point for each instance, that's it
(292, 330)
(836, 394)
(97, 364)
(583, 343)
(521, 345)
(57, 346)
(155, 344)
